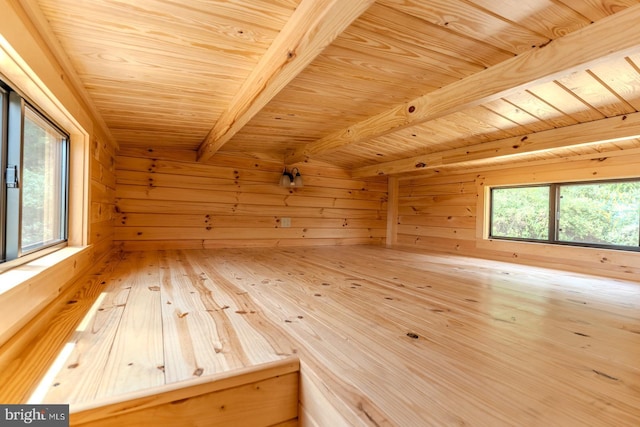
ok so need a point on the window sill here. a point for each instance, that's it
(13, 277)
(27, 289)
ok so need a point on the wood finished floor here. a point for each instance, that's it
(401, 338)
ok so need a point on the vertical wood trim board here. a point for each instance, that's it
(392, 212)
(103, 196)
(166, 200)
(447, 213)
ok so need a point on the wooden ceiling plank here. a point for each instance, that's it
(544, 17)
(539, 108)
(611, 37)
(380, 46)
(469, 127)
(465, 18)
(338, 63)
(402, 26)
(562, 99)
(32, 9)
(132, 47)
(312, 27)
(586, 87)
(605, 130)
(597, 9)
(517, 115)
(486, 117)
(622, 78)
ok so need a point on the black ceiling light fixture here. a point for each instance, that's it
(291, 178)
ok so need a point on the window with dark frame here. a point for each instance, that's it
(603, 214)
(34, 156)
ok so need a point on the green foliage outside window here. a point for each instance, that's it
(600, 214)
(521, 213)
(607, 214)
(42, 184)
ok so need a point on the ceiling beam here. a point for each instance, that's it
(312, 27)
(612, 37)
(599, 131)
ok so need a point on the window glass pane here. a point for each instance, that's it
(521, 213)
(605, 214)
(43, 183)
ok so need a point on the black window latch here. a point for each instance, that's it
(11, 177)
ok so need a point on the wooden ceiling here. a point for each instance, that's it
(387, 86)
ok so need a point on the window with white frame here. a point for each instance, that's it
(602, 214)
(34, 155)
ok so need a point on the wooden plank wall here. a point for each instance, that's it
(103, 197)
(445, 212)
(166, 200)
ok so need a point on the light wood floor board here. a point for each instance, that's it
(93, 339)
(136, 353)
(384, 336)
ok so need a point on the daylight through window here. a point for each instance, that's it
(35, 159)
(600, 214)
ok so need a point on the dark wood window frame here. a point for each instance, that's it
(553, 218)
(12, 147)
